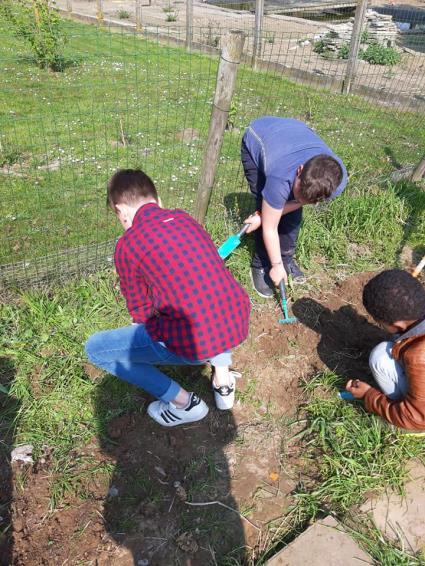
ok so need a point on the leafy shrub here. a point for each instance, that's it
(344, 51)
(9, 155)
(364, 38)
(39, 24)
(377, 54)
(123, 14)
(322, 48)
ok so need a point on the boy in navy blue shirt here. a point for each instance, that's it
(287, 166)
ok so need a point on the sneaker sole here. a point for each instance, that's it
(257, 291)
(204, 413)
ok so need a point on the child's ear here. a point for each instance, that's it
(119, 209)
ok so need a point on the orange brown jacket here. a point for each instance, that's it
(409, 412)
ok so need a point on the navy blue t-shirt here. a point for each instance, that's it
(278, 146)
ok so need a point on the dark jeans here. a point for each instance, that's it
(288, 227)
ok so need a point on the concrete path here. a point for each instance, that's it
(323, 543)
(402, 518)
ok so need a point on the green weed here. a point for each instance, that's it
(377, 54)
(123, 14)
(38, 24)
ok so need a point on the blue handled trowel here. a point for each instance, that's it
(232, 243)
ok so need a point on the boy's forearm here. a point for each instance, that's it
(272, 244)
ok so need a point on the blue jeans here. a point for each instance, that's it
(130, 354)
(289, 225)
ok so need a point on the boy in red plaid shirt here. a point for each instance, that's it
(186, 306)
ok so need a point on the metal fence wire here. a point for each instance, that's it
(142, 98)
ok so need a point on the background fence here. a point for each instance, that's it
(141, 98)
(287, 34)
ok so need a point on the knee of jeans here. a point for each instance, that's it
(380, 355)
(92, 346)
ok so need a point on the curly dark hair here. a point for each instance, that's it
(394, 295)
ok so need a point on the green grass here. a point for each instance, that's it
(349, 454)
(123, 102)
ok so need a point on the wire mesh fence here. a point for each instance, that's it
(309, 40)
(128, 99)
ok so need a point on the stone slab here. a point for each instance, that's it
(402, 518)
(323, 543)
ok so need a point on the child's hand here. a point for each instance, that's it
(254, 222)
(277, 273)
(357, 388)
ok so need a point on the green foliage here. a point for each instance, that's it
(355, 452)
(364, 228)
(364, 38)
(9, 155)
(377, 54)
(322, 48)
(39, 24)
(123, 14)
(344, 51)
(231, 117)
(171, 17)
(269, 37)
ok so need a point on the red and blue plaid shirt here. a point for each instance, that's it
(176, 284)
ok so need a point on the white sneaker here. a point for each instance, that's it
(167, 414)
(224, 396)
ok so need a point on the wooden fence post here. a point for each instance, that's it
(69, 5)
(359, 19)
(99, 11)
(139, 26)
(189, 24)
(259, 15)
(419, 170)
(225, 85)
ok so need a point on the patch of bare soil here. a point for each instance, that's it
(193, 494)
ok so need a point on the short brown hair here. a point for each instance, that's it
(130, 186)
(320, 177)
